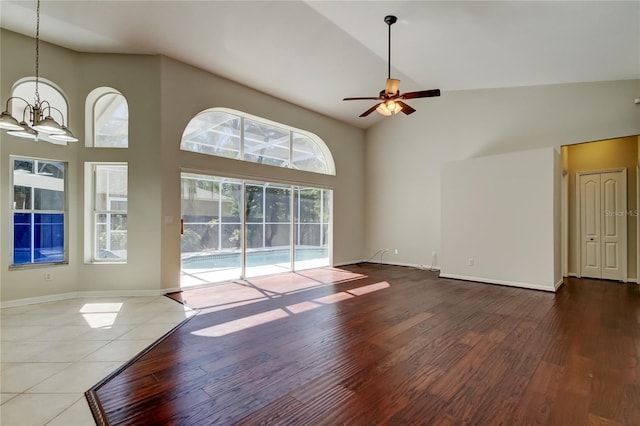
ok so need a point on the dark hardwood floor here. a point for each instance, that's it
(371, 344)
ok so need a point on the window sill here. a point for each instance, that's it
(24, 266)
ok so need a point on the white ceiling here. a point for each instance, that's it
(315, 53)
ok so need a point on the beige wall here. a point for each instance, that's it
(61, 66)
(404, 154)
(187, 91)
(522, 188)
(163, 95)
(602, 155)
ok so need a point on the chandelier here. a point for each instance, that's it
(38, 113)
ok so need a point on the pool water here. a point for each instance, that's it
(254, 258)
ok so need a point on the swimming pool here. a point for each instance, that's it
(254, 258)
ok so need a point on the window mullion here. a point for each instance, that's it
(242, 138)
(292, 229)
(321, 217)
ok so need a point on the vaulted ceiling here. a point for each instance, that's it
(314, 53)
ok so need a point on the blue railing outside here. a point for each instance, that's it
(45, 231)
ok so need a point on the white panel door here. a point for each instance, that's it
(603, 225)
(590, 208)
(613, 218)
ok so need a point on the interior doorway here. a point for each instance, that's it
(602, 209)
(594, 158)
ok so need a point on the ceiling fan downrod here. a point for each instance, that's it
(390, 20)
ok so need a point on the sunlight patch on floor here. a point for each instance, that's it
(100, 315)
(247, 322)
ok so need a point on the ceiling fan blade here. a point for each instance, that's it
(406, 108)
(370, 110)
(421, 94)
(361, 99)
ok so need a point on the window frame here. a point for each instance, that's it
(32, 211)
(90, 116)
(243, 117)
(91, 213)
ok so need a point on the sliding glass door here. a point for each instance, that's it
(312, 214)
(241, 229)
(212, 223)
(268, 208)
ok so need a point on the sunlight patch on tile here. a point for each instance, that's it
(90, 308)
(100, 315)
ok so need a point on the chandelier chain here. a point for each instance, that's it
(37, 52)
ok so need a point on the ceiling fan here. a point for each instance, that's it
(390, 98)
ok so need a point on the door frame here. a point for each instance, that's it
(578, 224)
(564, 211)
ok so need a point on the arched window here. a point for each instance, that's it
(107, 119)
(26, 89)
(233, 134)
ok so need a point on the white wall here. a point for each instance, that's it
(500, 211)
(163, 95)
(404, 153)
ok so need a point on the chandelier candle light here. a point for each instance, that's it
(40, 120)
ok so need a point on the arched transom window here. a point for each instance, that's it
(107, 119)
(233, 134)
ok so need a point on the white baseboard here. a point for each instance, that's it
(500, 282)
(385, 262)
(76, 294)
(559, 283)
(40, 299)
(629, 280)
(350, 262)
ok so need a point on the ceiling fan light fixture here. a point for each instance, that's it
(383, 109)
(389, 108)
(394, 107)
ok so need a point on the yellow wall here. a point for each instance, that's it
(602, 155)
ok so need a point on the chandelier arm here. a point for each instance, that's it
(15, 97)
(24, 111)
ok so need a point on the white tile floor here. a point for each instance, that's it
(51, 353)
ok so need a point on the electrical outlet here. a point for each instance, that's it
(48, 276)
(395, 251)
(471, 262)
